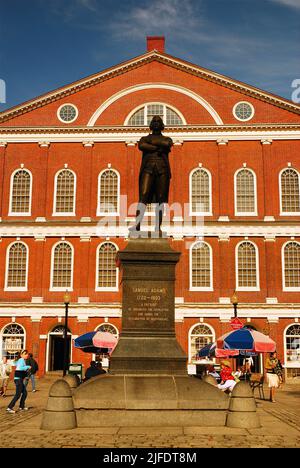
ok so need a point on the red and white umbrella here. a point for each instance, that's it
(247, 339)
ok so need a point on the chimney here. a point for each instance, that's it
(156, 42)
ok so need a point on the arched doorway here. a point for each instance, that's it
(55, 354)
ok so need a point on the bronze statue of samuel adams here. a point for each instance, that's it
(155, 173)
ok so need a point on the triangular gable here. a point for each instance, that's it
(164, 58)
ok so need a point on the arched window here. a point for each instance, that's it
(109, 328)
(20, 193)
(13, 340)
(247, 269)
(200, 192)
(201, 275)
(245, 193)
(200, 336)
(144, 115)
(291, 266)
(292, 350)
(16, 267)
(62, 267)
(107, 271)
(289, 192)
(64, 193)
(108, 193)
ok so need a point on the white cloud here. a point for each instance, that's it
(288, 3)
(160, 17)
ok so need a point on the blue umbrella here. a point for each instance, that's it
(208, 350)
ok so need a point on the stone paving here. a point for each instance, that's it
(280, 428)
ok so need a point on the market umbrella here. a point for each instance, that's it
(96, 341)
(247, 339)
(211, 350)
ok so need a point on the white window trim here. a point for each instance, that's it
(15, 213)
(243, 288)
(190, 337)
(287, 213)
(114, 213)
(204, 288)
(243, 102)
(6, 334)
(141, 87)
(284, 287)
(12, 288)
(67, 104)
(290, 364)
(71, 213)
(200, 213)
(245, 213)
(97, 288)
(145, 112)
(68, 288)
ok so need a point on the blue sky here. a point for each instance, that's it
(45, 45)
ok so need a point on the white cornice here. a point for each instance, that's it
(212, 229)
(182, 311)
(128, 135)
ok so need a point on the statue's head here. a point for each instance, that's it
(156, 123)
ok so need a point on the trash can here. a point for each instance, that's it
(75, 369)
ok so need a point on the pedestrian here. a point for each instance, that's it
(33, 370)
(248, 363)
(272, 377)
(5, 370)
(94, 370)
(20, 375)
(228, 381)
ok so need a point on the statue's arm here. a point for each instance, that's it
(146, 147)
(166, 144)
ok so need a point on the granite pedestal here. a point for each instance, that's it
(148, 383)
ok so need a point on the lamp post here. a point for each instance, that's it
(66, 357)
(234, 302)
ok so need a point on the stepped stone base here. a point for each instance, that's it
(149, 400)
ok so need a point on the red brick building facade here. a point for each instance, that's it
(69, 167)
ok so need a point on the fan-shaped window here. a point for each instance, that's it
(17, 267)
(291, 266)
(201, 267)
(290, 192)
(247, 267)
(245, 192)
(292, 350)
(107, 271)
(62, 267)
(200, 336)
(144, 115)
(64, 193)
(60, 330)
(20, 193)
(200, 192)
(107, 327)
(108, 193)
(13, 340)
